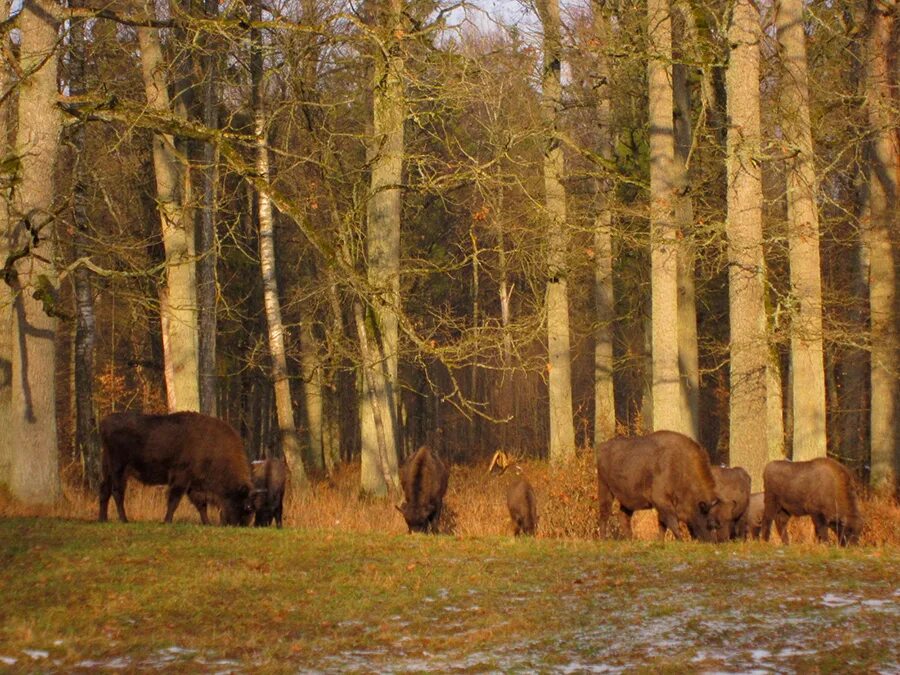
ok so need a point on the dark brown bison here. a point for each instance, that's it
(733, 489)
(520, 498)
(187, 451)
(753, 517)
(424, 479)
(269, 477)
(664, 470)
(821, 488)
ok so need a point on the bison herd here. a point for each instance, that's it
(203, 457)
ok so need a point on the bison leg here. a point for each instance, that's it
(174, 497)
(769, 512)
(278, 510)
(821, 526)
(117, 485)
(105, 493)
(604, 504)
(625, 522)
(668, 521)
(781, 521)
(198, 499)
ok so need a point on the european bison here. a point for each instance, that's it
(520, 498)
(424, 479)
(664, 470)
(269, 476)
(733, 488)
(753, 518)
(821, 488)
(187, 451)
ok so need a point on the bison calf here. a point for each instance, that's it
(424, 479)
(187, 451)
(753, 517)
(733, 489)
(666, 471)
(269, 476)
(821, 488)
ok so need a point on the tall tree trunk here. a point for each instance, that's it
(177, 233)
(6, 296)
(604, 400)
(386, 149)
(562, 426)
(663, 233)
(879, 223)
(313, 390)
(284, 406)
(747, 312)
(34, 475)
(87, 441)
(807, 352)
(207, 292)
(688, 357)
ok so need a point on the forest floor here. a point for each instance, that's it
(79, 596)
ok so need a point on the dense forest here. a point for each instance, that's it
(349, 228)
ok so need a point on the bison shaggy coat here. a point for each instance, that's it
(424, 480)
(522, 505)
(733, 489)
(664, 470)
(269, 477)
(821, 488)
(193, 453)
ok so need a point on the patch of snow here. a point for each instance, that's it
(36, 654)
(8, 660)
(834, 600)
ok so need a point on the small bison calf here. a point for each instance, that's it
(269, 477)
(753, 517)
(733, 489)
(821, 488)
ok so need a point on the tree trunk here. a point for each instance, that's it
(178, 236)
(34, 475)
(385, 151)
(313, 390)
(747, 313)
(562, 427)
(207, 292)
(87, 441)
(6, 296)
(807, 354)
(879, 222)
(604, 400)
(284, 407)
(688, 357)
(663, 233)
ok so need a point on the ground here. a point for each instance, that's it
(184, 598)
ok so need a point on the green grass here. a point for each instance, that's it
(188, 598)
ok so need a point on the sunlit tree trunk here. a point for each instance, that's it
(177, 233)
(284, 407)
(34, 475)
(880, 222)
(604, 401)
(6, 296)
(688, 357)
(807, 353)
(746, 271)
(313, 389)
(87, 441)
(386, 150)
(562, 427)
(663, 233)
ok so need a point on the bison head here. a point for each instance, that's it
(417, 517)
(707, 520)
(238, 507)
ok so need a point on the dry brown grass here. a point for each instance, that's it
(475, 506)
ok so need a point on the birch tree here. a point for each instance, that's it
(663, 232)
(746, 290)
(6, 296)
(34, 475)
(807, 353)
(562, 428)
(879, 233)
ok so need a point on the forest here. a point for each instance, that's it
(350, 228)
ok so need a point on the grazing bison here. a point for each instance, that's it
(520, 498)
(664, 470)
(821, 488)
(269, 476)
(187, 451)
(424, 479)
(733, 489)
(753, 517)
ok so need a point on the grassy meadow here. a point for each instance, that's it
(343, 588)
